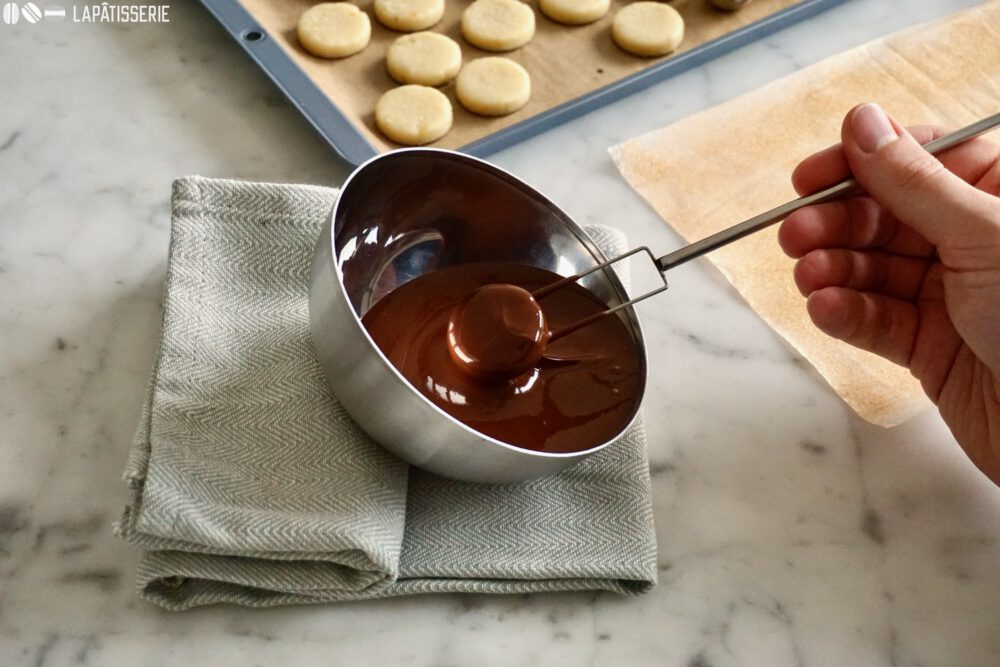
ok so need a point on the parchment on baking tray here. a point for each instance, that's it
(564, 61)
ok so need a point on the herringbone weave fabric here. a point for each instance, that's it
(251, 485)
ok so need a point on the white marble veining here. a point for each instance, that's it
(790, 532)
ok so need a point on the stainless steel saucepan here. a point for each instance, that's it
(403, 214)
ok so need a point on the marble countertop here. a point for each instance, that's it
(790, 532)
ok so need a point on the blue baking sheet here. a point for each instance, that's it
(350, 144)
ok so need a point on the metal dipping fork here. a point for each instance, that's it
(845, 188)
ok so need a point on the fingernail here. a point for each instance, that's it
(872, 129)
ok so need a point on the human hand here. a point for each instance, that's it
(912, 270)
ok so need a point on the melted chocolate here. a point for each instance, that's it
(497, 332)
(582, 392)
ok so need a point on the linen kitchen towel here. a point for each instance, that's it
(250, 484)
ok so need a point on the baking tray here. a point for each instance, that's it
(350, 133)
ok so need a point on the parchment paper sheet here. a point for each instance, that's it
(564, 61)
(723, 165)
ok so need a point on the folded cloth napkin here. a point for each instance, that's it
(250, 484)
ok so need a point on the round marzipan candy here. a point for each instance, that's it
(574, 12)
(498, 25)
(425, 58)
(493, 86)
(334, 30)
(409, 15)
(413, 115)
(648, 28)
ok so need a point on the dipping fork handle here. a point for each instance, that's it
(846, 188)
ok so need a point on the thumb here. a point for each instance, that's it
(914, 186)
